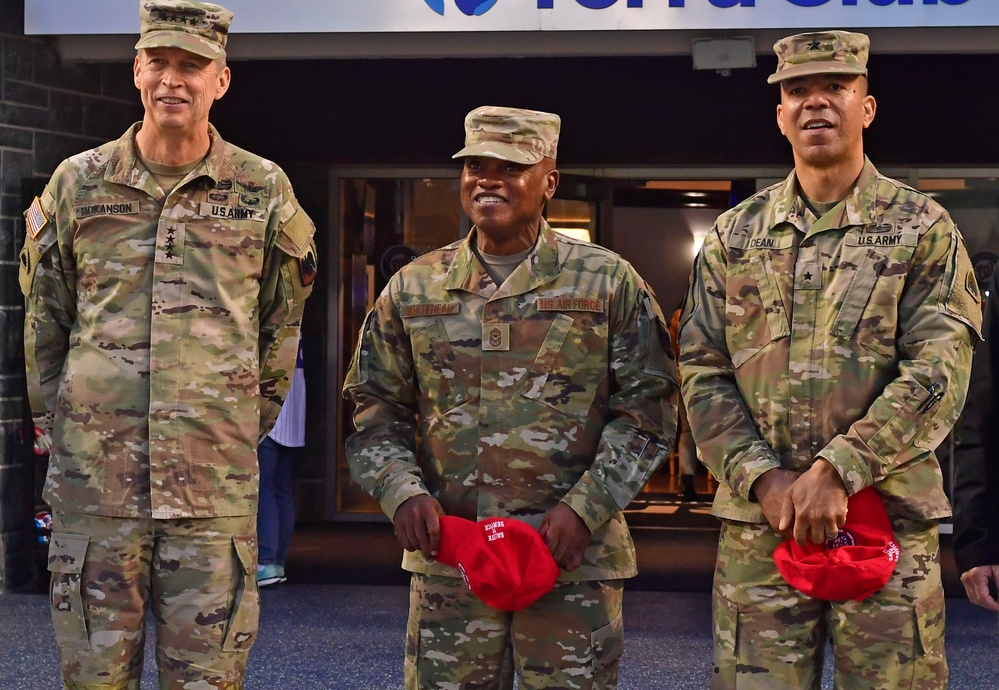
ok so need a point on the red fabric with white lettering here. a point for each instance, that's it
(504, 561)
(855, 565)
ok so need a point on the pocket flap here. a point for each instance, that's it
(67, 553)
(246, 552)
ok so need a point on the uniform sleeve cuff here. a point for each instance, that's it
(849, 463)
(44, 422)
(396, 497)
(589, 501)
(755, 463)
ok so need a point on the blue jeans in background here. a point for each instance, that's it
(276, 511)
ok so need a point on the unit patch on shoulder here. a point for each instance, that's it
(35, 218)
(971, 285)
(308, 267)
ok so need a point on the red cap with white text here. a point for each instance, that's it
(504, 561)
(854, 565)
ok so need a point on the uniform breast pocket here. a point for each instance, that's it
(240, 244)
(868, 308)
(571, 366)
(755, 314)
(442, 385)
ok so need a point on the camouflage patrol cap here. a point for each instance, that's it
(823, 52)
(197, 27)
(510, 134)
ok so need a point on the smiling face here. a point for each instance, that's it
(824, 117)
(178, 89)
(505, 200)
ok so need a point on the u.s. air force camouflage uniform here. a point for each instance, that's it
(846, 337)
(557, 386)
(160, 341)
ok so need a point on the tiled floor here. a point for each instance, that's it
(349, 637)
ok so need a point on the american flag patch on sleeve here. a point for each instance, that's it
(35, 218)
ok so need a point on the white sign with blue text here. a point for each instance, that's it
(353, 16)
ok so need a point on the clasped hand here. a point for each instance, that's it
(807, 506)
(417, 527)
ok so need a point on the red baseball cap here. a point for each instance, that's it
(854, 565)
(504, 561)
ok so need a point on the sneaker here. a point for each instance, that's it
(280, 572)
(268, 575)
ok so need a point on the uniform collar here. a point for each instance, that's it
(540, 267)
(860, 207)
(125, 167)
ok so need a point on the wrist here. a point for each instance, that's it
(826, 472)
(760, 486)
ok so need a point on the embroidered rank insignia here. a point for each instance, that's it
(35, 218)
(308, 267)
(495, 337)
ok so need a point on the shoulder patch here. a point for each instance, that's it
(35, 218)
(308, 266)
(964, 301)
(295, 234)
(971, 285)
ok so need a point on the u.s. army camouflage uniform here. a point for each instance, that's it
(160, 340)
(557, 386)
(847, 338)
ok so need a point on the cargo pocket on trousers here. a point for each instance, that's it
(607, 645)
(67, 556)
(725, 621)
(930, 628)
(241, 628)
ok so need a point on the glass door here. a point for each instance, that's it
(386, 219)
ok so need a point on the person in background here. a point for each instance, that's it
(826, 347)
(976, 468)
(165, 274)
(515, 373)
(276, 510)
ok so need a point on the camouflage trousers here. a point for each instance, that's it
(571, 637)
(198, 576)
(770, 636)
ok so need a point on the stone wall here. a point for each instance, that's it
(48, 111)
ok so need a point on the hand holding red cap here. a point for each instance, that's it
(504, 561)
(854, 565)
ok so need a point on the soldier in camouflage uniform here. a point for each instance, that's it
(537, 374)
(165, 275)
(825, 347)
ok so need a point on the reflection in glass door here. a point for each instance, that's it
(385, 222)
